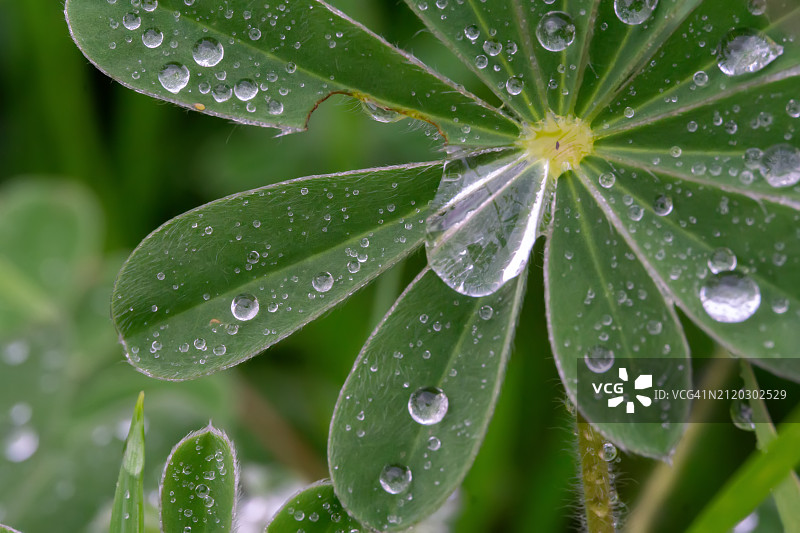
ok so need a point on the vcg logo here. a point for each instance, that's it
(643, 381)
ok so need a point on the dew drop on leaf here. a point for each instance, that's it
(207, 52)
(395, 478)
(607, 180)
(472, 32)
(514, 85)
(245, 90)
(730, 297)
(743, 51)
(555, 31)
(427, 406)
(131, 21)
(634, 12)
(222, 92)
(486, 312)
(781, 165)
(793, 108)
(244, 307)
(663, 205)
(322, 282)
(174, 77)
(721, 260)
(742, 415)
(434, 443)
(609, 451)
(380, 114)
(599, 359)
(152, 38)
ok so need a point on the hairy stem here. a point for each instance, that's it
(599, 495)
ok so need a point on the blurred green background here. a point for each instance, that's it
(90, 168)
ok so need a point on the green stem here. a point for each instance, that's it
(787, 493)
(598, 488)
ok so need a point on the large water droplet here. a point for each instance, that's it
(174, 77)
(322, 282)
(245, 90)
(486, 215)
(634, 12)
(222, 92)
(555, 31)
(207, 52)
(599, 359)
(244, 307)
(395, 478)
(514, 85)
(721, 260)
(428, 405)
(781, 165)
(730, 297)
(663, 205)
(743, 51)
(609, 451)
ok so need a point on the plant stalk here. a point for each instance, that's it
(599, 495)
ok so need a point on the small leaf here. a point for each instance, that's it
(315, 509)
(221, 283)
(754, 480)
(270, 65)
(602, 305)
(415, 408)
(127, 515)
(198, 488)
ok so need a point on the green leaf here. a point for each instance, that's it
(44, 268)
(6, 529)
(414, 410)
(127, 515)
(681, 230)
(787, 493)
(315, 509)
(299, 248)
(198, 488)
(754, 480)
(602, 305)
(271, 65)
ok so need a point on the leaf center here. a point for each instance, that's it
(562, 141)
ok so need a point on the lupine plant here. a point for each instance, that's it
(651, 144)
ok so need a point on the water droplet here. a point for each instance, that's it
(486, 312)
(244, 307)
(742, 415)
(599, 359)
(220, 350)
(428, 405)
(152, 38)
(730, 297)
(222, 92)
(781, 165)
(200, 344)
(201, 490)
(245, 90)
(275, 107)
(514, 85)
(609, 451)
(700, 78)
(395, 478)
(207, 52)
(757, 7)
(131, 21)
(663, 205)
(253, 257)
(254, 34)
(793, 108)
(607, 180)
(174, 77)
(481, 61)
(556, 31)
(633, 12)
(434, 443)
(721, 260)
(472, 32)
(629, 112)
(743, 51)
(379, 114)
(322, 282)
